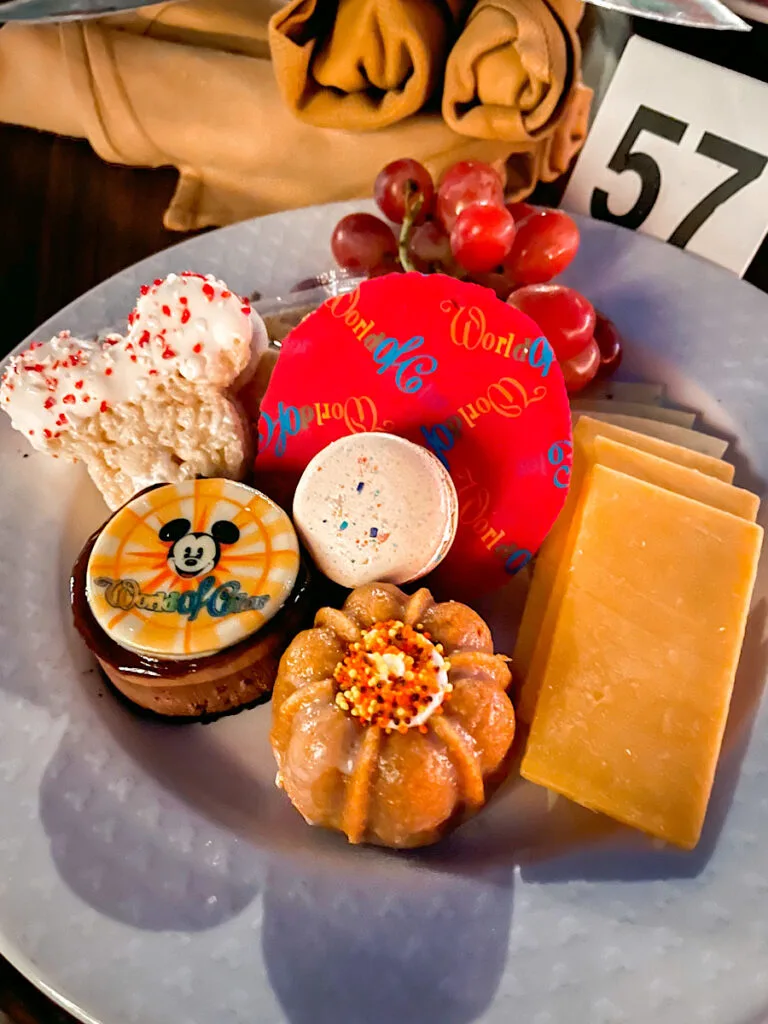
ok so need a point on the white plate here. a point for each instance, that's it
(153, 874)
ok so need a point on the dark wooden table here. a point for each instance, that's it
(68, 221)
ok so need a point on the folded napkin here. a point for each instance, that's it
(153, 88)
(512, 71)
(361, 64)
(190, 85)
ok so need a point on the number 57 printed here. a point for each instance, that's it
(679, 149)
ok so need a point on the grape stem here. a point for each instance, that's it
(413, 204)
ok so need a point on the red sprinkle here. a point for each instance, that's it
(153, 373)
(31, 433)
(208, 291)
(158, 280)
(246, 310)
(183, 300)
(166, 310)
(49, 403)
(185, 315)
(61, 420)
(144, 289)
(134, 359)
(168, 353)
(103, 407)
(108, 372)
(69, 399)
(198, 347)
(132, 316)
(144, 339)
(86, 398)
(47, 433)
(226, 294)
(79, 384)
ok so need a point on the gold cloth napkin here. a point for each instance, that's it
(513, 69)
(189, 85)
(361, 64)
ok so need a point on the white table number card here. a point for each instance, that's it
(679, 150)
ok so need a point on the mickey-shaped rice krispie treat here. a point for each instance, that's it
(153, 406)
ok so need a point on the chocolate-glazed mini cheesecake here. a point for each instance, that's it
(189, 595)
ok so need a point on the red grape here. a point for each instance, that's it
(365, 243)
(397, 184)
(496, 282)
(481, 237)
(430, 247)
(564, 316)
(610, 343)
(580, 369)
(466, 183)
(520, 211)
(545, 244)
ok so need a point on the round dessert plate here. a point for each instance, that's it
(153, 874)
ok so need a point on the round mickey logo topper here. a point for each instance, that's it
(196, 553)
(187, 569)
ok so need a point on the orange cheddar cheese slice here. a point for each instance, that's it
(689, 482)
(677, 469)
(637, 678)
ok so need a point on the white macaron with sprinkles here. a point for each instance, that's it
(375, 507)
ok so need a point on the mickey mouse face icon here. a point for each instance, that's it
(196, 554)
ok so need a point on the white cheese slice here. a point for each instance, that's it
(681, 417)
(697, 442)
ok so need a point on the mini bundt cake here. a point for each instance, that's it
(391, 716)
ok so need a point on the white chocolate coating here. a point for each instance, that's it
(199, 327)
(186, 326)
(153, 406)
(225, 567)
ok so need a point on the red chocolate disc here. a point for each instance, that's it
(445, 364)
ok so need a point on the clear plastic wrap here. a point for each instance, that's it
(281, 313)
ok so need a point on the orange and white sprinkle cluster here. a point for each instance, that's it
(394, 677)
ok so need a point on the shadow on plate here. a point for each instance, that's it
(131, 853)
(123, 860)
(224, 773)
(412, 946)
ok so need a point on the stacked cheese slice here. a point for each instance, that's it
(638, 407)
(633, 628)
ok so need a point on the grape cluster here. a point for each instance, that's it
(463, 227)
